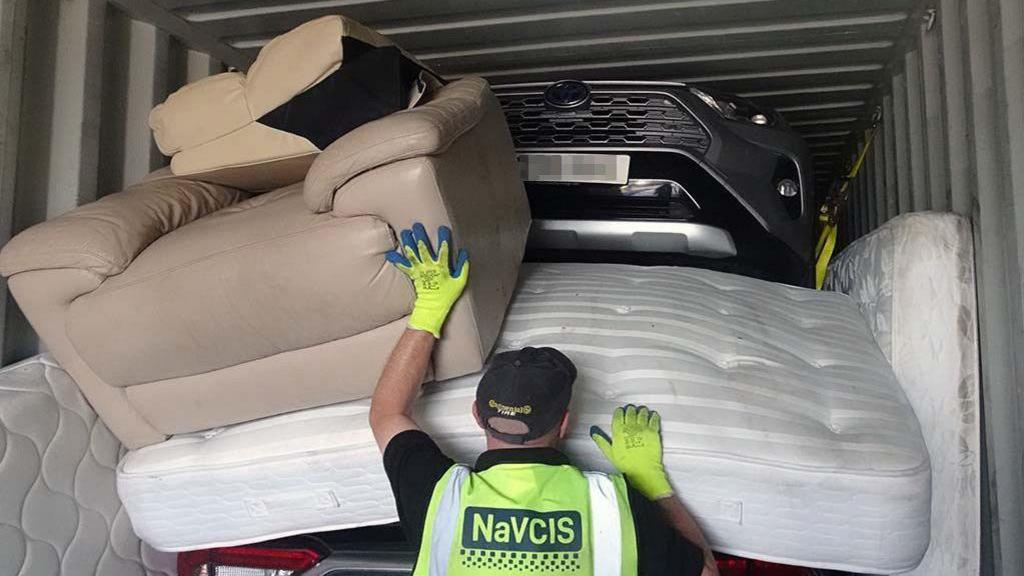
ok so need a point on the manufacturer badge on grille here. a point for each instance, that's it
(567, 94)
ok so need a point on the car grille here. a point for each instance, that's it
(611, 118)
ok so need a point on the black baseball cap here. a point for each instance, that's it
(525, 393)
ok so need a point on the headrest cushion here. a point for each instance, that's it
(296, 99)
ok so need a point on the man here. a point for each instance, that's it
(523, 508)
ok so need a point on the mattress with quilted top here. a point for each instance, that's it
(785, 430)
(59, 511)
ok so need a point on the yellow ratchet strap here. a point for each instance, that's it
(828, 215)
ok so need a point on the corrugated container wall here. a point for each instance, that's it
(86, 75)
(78, 77)
(952, 139)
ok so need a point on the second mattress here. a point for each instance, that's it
(785, 430)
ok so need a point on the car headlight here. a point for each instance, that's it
(733, 108)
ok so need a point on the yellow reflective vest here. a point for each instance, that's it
(528, 519)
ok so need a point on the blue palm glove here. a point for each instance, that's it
(438, 285)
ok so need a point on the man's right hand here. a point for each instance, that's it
(438, 284)
(635, 449)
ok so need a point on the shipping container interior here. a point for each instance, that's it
(79, 77)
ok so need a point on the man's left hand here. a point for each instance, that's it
(635, 449)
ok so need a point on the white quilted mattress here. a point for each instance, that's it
(785, 430)
(913, 279)
(59, 511)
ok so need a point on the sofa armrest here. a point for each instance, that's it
(473, 187)
(105, 236)
(425, 130)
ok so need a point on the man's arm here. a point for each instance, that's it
(438, 285)
(681, 520)
(399, 384)
(635, 450)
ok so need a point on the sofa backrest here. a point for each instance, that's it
(308, 87)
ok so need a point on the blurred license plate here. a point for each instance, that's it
(590, 168)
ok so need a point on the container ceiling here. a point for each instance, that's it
(817, 61)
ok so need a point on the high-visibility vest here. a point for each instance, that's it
(528, 519)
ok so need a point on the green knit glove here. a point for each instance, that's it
(437, 286)
(635, 449)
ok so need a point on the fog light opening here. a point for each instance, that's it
(787, 188)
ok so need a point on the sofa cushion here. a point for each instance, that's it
(201, 112)
(307, 88)
(300, 59)
(259, 278)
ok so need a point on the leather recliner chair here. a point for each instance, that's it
(179, 306)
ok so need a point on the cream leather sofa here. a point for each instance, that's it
(180, 306)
